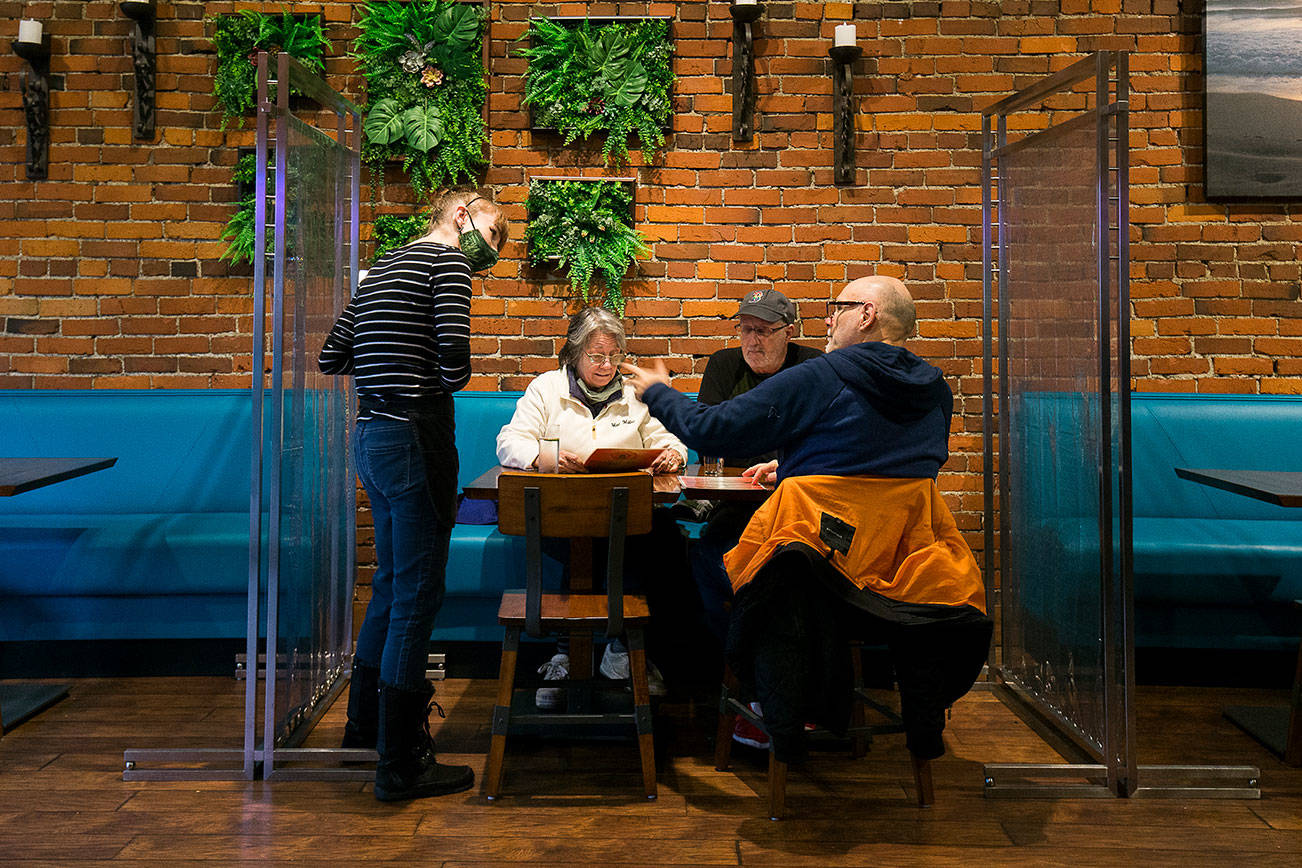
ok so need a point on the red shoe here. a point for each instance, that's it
(747, 733)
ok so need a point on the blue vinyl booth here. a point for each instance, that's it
(1212, 569)
(157, 546)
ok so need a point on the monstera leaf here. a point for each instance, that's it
(423, 127)
(384, 123)
(627, 91)
(457, 25)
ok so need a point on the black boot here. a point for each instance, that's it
(407, 768)
(363, 727)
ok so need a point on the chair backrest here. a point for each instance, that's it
(573, 505)
(576, 506)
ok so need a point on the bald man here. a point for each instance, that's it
(869, 406)
(856, 541)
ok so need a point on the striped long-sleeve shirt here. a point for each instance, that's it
(406, 333)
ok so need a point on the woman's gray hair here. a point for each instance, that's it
(584, 326)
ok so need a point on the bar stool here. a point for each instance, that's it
(580, 507)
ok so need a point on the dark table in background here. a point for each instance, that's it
(17, 475)
(1277, 727)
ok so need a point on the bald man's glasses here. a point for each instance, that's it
(833, 307)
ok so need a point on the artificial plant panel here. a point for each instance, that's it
(586, 76)
(425, 89)
(391, 231)
(239, 231)
(241, 36)
(585, 228)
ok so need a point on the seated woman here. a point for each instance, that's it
(586, 405)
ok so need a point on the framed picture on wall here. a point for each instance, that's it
(1252, 62)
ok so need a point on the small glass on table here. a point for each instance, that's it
(711, 465)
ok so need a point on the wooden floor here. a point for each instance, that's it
(63, 802)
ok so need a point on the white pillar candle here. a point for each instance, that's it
(29, 30)
(845, 36)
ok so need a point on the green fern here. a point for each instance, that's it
(391, 231)
(240, 36)
(586, 228)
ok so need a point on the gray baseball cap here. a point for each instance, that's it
(769, 305)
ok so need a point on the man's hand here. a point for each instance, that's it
(668, 461)
(642, 379)
(765, 474)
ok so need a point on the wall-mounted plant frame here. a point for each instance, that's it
(611, 75)
(426, 90)
(239, 38)
(584, 229)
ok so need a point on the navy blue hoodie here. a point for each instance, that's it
(868, 409)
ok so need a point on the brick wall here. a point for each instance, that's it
(109, 274)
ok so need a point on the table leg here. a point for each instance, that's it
(19, 701)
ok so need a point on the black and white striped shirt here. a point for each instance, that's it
(406, 334)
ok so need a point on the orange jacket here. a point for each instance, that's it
(902, 540)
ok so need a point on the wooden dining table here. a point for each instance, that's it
(21, 700)
(666, 488)
(1277, 727)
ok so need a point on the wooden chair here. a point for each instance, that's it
(580, 507)
(860, 732)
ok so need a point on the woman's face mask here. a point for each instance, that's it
(481, 254)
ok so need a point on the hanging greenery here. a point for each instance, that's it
(425, 89)
(391, 231)
(586, 228)
(616, 78)
(239, 231)
(241, 36)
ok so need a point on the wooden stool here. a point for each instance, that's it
(579, 507)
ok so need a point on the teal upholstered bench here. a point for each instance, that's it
(1214, 569)
(481, 562)
(155, 547)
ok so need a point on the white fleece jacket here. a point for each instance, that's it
(547, 405)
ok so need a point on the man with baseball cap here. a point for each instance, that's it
(766, 323)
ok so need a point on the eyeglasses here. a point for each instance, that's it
(597, 360)
(758, 331)
(833, 307)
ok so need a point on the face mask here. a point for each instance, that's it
(478, 251)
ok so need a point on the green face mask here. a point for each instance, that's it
(478, 251)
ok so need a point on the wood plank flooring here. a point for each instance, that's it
(63, 802)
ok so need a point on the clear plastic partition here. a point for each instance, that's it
(1054, 442)
(310, 555)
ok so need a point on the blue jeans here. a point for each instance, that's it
(409, 470)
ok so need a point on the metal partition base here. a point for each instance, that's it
(1088, 780)
(1074, 781)
(132, 772)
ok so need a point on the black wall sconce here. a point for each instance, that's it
(33, 46)
(844, 52)
(743, 68)
(144, 61)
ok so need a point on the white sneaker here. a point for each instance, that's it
(614, 665)
(555, 669)
(655, 682)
